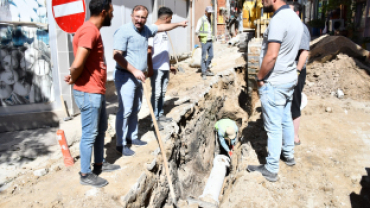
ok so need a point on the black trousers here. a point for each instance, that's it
(297, 95)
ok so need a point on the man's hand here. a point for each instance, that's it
(171, 26)
(184, 23)
(139, 75)
(260, 83)
(173, 70)
(68, 79)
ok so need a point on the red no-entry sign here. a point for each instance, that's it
(69, 14)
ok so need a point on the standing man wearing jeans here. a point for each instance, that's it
(131, 53)
(276, 81)
(88, 73)
(159, 63)
(204, 32)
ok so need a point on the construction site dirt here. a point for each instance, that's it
(332, 170)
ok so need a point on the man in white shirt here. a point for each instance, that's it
(159, 62)
(204, 32)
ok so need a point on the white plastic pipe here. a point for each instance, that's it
(216, 179)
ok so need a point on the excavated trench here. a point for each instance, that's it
(190, 150)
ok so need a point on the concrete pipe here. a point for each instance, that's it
(216, 179)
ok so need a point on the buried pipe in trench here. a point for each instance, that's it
(216, 179)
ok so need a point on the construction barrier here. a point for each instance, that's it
(68, 160)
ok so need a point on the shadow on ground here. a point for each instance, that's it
(362, 200)
(255, 134)
(16, 148)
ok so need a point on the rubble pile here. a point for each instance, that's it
(341, 74)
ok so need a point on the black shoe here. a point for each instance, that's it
(160, 126)
(127, 151)
(105, 167)
(272, 177)
(164, 119)
(138, 142)
(93, 180)
(288, 161)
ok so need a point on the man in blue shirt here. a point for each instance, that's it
(130, 53)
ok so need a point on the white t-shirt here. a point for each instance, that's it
(160, 54)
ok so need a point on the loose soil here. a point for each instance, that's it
(324, 79)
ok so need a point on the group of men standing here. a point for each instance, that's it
(88, 73)
(138, 47)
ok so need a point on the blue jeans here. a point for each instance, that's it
(130, 93)
(94, 124)
(159, 82)
(276, 111)
(206, 48)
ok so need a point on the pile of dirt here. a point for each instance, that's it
(327, 48)
(344, 73)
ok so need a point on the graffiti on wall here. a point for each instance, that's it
(23, 11)
(25, 65)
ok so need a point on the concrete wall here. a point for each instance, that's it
(181, 36)
(34, 101)
(28, 74)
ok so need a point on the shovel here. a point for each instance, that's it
(169, 178)
(177, 61)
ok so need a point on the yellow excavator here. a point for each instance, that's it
(252, 18)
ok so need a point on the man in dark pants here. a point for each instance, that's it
(301, 70)
(88, 73)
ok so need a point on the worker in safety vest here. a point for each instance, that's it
(204, 32)
(226, 134)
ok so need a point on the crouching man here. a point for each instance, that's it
(226, 134)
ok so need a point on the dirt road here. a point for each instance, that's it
(331, 169)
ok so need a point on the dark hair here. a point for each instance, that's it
(97, 6)
(297, 6)
(140, 7)
(164, 11)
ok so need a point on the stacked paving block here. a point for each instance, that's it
(254, 51)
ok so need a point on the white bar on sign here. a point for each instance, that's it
(68, 9)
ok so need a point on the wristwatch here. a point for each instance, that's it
(258, 80)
